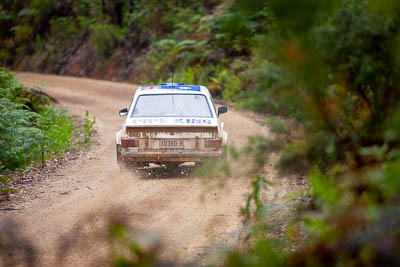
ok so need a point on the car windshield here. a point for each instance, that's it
(172, 105)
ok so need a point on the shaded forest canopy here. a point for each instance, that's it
(332, 67)
(124, 39)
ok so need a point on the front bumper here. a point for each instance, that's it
(185, 156)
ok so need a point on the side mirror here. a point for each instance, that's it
(123, 112)
(222, 110)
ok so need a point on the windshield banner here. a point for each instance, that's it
(183, 121)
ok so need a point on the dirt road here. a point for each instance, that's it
(187, 215)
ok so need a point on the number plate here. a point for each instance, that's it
(171, 144)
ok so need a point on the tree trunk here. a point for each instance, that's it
(103, 7)
(118, 12)
(130, 6)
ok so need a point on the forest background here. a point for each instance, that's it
(329, 67)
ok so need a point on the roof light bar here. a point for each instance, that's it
(172, 84)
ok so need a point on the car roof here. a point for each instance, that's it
(172, 88)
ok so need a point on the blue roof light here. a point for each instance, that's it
(175, 86)
(182, 87)
(172, 84)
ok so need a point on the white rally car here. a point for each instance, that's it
(169, 124)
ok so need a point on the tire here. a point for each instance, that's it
(118, 148)
(121, 163)
(172, 165)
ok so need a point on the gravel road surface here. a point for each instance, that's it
(189, 215)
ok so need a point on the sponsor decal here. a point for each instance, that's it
(170, 120)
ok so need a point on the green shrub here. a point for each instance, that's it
(88, 127)
(277, 126)
(31, 130)
(62, 28)
(23, 33)
(294, 158)
(57, 127)
(105, 37)
(20, 137)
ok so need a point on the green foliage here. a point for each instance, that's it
(105, 37)
(31, 130)
(336, 72)
(255, 197)
(63, 28)
(277, 126)
(194, 41)
(332, 66)
(88, 127)
(386, 179)
(264, 252)
(259, 148)
(323, 188)
(293, 158)
(137, 255)
(20, 140)
(22, 33)
(57, 128)
(29, 134)
(237, 28)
